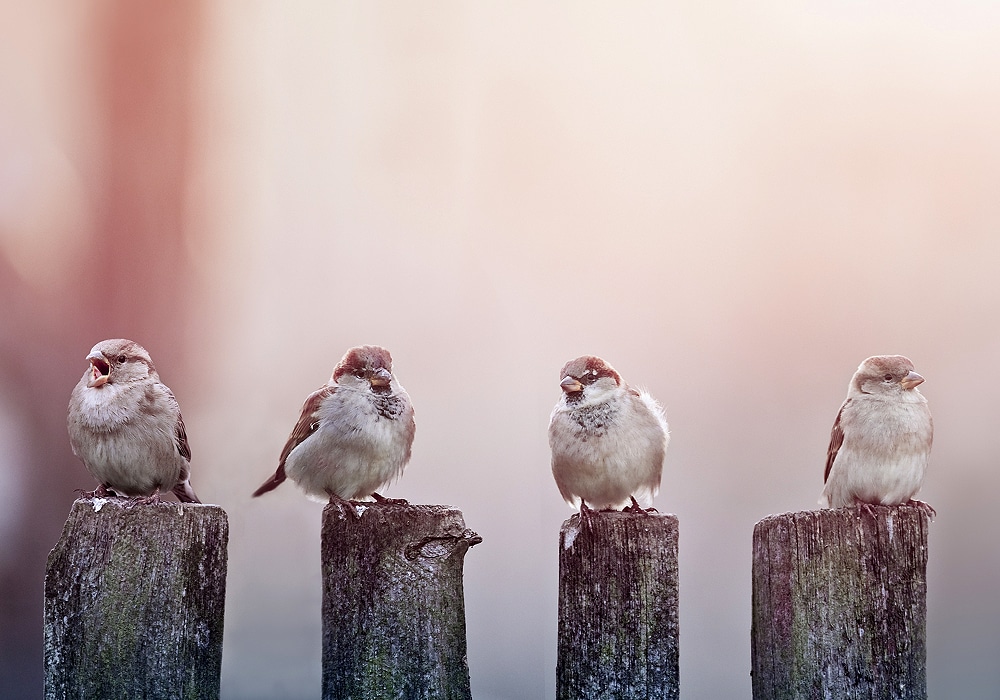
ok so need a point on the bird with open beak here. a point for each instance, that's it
(881, 439)
(354, 433)
(608, 440)
(126, 426)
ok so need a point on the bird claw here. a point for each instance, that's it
(927, 508)
(150, 500)
(867, 508)
(344, 505)
(636, 508)
(382, 500)
(100, 492)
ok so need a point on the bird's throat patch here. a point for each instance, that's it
(594, 419)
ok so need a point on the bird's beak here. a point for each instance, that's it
(911, 380)
(100, 370)
(381, 377)
(570, 385)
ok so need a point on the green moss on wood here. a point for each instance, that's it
(393, 602)
(618, 628)
(839, 604)
(134, 600)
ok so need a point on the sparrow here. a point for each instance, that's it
(881, 439)
(354, 434)
(608, 440)
(126, 427)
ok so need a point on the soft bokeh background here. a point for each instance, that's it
(733, 203)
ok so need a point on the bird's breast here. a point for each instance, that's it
(356, 417)
(594, 420)
(103, 408)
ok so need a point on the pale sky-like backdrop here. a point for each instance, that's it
(734, 204)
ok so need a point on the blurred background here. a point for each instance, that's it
(733, 204)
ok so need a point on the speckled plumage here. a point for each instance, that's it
(354, 434)
(126, 426)
(881, 440)
(608, 440)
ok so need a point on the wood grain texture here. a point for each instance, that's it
(394, 602)
(134, 601)
(618, 594)
(839, 604)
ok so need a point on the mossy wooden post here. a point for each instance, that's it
(840, 604)
(618, 628)
(134, 601)
(394, 603)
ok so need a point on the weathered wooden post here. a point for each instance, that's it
(134, 601)
(393, 602)
(618, 627)
(840, 604)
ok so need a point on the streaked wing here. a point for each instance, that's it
(836, 440)
(180, 432)
(308, 422)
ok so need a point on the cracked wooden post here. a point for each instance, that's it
(618, 627)
(393, 602)
(840, 604)
(134, 601)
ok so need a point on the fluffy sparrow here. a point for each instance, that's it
(126, 425)
(608, 440)
(881, 439)
(354, 434)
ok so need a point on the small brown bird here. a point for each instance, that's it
(881, 439)
(608, 440)
(354, 434)
(126, 425)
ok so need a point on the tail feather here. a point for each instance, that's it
(271, 483)
(184, 492)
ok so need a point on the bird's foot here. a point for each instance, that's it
(380, 499)
(150, 500)
(100, 492)
(636, 508)
(587, 515)
(343, 505)
(926, 507)
(867, 508)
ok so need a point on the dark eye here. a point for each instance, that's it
(359, 373)
(122, 359)
(888, 377)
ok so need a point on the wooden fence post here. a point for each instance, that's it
(840, 604)
(134, 601)
(394, 603)
(618, 628)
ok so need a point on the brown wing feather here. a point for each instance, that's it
(305, 427)
(836, 440)
(180, 436)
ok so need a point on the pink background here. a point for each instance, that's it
(733, 204)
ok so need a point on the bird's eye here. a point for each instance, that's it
(888, 377)
(122, 359)
(359, 373)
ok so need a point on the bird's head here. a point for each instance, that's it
(118, 361)
(365, 367)
(886, 375)
(588, 377)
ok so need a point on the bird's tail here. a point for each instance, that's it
(271, 483)
(184, 492)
